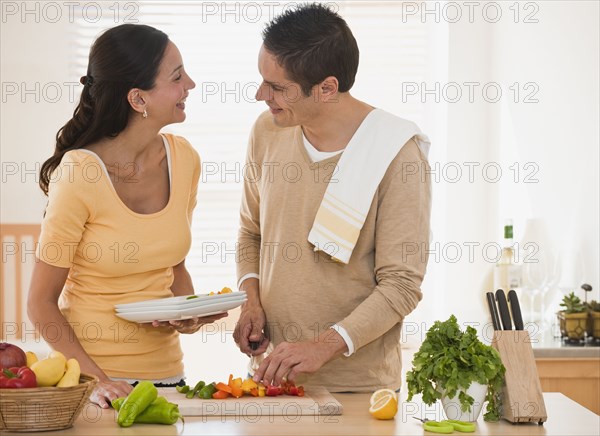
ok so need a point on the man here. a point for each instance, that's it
(334, 228)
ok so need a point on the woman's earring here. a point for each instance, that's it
(145, 114)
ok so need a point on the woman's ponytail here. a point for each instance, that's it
(70, 137)
(124, 57)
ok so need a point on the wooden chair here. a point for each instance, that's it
(18, 258)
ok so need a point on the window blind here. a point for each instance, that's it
(219, 43)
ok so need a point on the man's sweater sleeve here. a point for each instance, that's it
(401, 248)
(249, 240)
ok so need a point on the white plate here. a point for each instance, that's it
(196, 302)
(158, 315)
(182, 300)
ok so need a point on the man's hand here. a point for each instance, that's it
(290, 359)
(248, 333)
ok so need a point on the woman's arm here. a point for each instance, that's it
(42, 307)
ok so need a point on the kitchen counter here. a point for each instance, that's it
(565, 417)
(551, 347)
(572, 369)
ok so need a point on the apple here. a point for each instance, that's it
(11, 356)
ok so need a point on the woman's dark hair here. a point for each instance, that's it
(122, 58)
(312, 42)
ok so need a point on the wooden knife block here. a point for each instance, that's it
(522, 399)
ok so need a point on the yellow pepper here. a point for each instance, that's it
(248, 385)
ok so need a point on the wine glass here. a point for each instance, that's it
(541, 274)
(574, 274)
(531, 291)
(541, 268)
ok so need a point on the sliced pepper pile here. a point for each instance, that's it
(235, 387)
(225, 290)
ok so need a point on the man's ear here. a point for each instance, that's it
(328, 89)
(136, 100)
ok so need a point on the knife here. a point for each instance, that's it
(515, 308)
(503, 307)
(493, 311)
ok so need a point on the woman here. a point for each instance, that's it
(117, 225)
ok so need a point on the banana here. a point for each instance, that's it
(31, 358)
(49, 371)
(71, 377)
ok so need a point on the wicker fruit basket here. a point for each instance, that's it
(43, 409)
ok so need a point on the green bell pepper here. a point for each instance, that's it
(182, 389)
(136, 402)
(192, 392)
(207, 391)
(159, 412)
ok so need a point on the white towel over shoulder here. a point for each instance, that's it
(361, 168)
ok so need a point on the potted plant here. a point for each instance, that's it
(451, 361)
(594, 319)
(573, 318)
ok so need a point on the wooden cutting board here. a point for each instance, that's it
(316, 401)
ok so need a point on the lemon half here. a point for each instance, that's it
(385, 408)
(377, 395)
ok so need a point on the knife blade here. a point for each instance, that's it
(493, 310)
(515, 308)
(503, 307)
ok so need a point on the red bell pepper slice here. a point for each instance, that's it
(290, 388)
(17, 377)
(223, 387)
(273, 391)
(287, 387)
(220, 395)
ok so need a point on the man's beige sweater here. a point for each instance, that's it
(304, 292)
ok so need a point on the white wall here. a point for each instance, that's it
(559, 134)
(35, 104)
(470, 201)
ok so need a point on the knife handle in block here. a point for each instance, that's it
(503, 307)
(493, 310)
(515, 308)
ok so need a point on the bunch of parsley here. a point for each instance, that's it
(449, 360)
